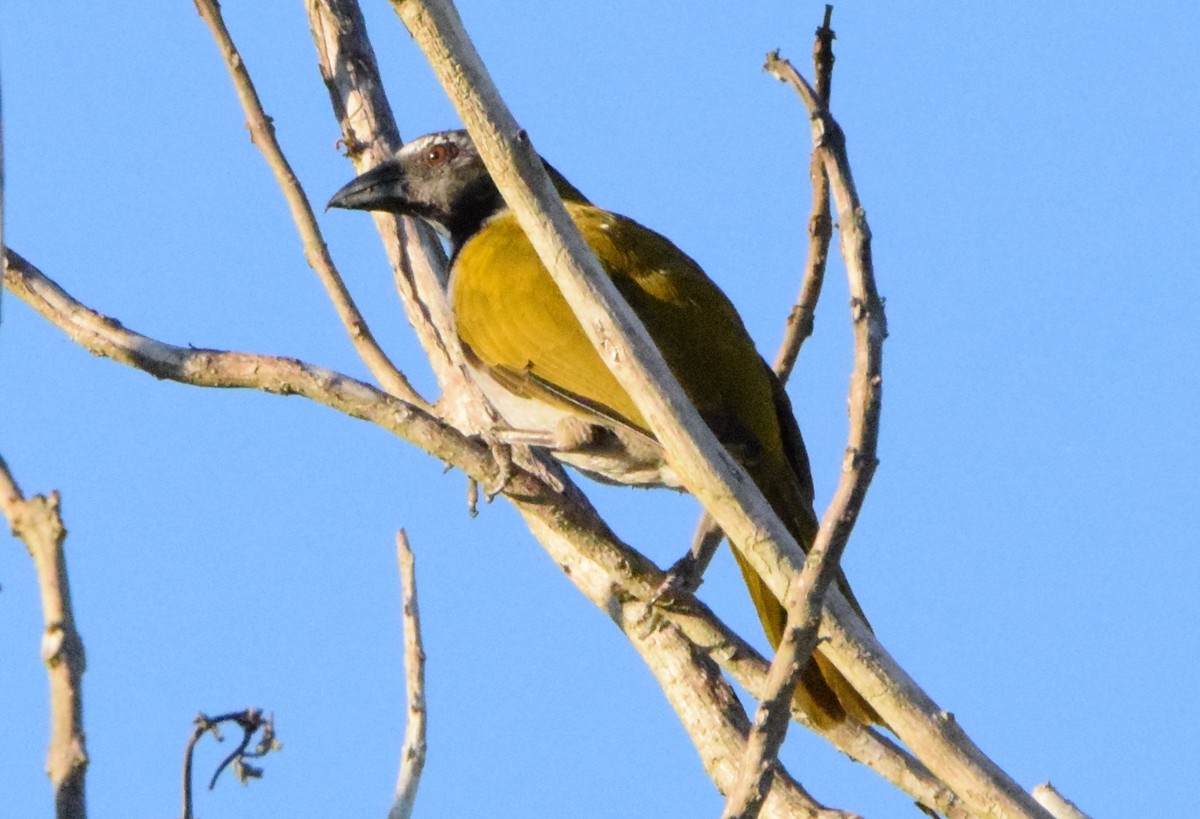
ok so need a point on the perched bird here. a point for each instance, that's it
(535, 363)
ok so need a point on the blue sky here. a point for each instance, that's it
(1027, 550)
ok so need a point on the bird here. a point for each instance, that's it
(532, 359)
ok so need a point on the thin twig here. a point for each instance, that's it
(705, 541)
(38, 523)
(799, 324)
(202, 367)
(262, 134)
(806, 591)
(412, 754)
(820, 222)
(927, 730)
(347, 64)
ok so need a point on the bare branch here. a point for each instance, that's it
(799, 324)
(412, 755)
(687, 675)
(820, 223)
(262, 134)
(38, 523)
(794, 651)
(201, 367)
(930, 732)
(705, 540)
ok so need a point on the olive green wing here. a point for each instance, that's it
(514, 321)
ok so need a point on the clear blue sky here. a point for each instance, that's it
(1027, 550)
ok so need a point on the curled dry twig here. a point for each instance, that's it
(251, 721)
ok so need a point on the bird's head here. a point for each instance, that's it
(439, 178)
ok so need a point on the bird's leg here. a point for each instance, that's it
(570, 433)
(525, 437)
(518, 446)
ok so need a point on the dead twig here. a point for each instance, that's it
(38, 523)
(799, 325)
(806, 591)
(262, 134)
(351, 74)
(412, 754)
(927, 730)
(820, 222)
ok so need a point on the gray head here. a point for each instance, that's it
(440, 178)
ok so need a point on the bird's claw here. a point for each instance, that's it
(509, 458)
(502, 453)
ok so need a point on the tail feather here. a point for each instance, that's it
(823, 694)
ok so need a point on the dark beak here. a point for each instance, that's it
(382, 188)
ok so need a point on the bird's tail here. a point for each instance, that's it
(823, 693)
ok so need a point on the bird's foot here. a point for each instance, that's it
(502, 454)
(511, 455)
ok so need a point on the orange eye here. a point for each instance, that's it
(440, 153)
